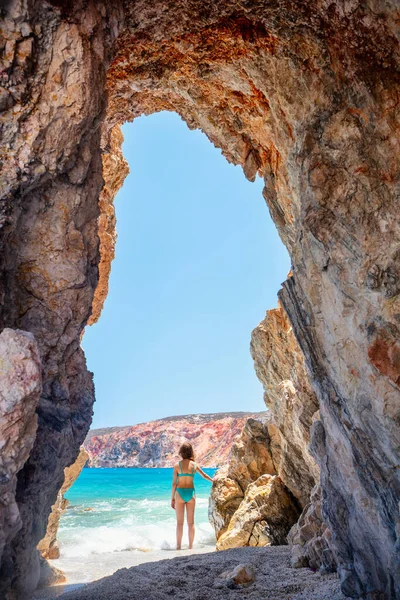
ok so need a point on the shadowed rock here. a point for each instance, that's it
(20, 387)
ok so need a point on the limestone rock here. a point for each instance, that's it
(279, 365)
(226, 497)
(20, 387)
(249, 458)
(268, 508)
(311, 539)
(48, 546)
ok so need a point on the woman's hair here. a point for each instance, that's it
(186, 451)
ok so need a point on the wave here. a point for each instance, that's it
(126, 524)
(81, 541)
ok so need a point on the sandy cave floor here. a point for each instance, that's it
(195, 577)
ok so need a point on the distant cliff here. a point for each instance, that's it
(156, 444)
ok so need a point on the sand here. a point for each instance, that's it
(195, 577)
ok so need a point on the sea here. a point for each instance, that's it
(122, 517)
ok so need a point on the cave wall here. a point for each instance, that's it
(303, 93)
(20, 387)
(54, 68)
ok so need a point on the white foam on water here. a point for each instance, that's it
(81, 541)
(119, 525)
(99, 535)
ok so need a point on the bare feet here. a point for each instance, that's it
(178, 548)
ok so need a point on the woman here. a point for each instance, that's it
(183, 493)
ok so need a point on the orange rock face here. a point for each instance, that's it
(156, 444)
(115, 169)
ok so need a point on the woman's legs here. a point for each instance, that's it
(190, 506)
(180, 512)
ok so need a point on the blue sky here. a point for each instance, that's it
(198, 262)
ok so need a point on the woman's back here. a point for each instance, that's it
(183, 494)
(186, 470)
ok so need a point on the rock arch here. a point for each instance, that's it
(304, 93)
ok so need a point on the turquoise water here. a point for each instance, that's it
(116, 510)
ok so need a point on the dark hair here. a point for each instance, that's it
(186, 451)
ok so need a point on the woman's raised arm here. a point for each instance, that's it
(203, 474)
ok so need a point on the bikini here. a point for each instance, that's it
(186, 493)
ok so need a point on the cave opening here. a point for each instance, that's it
(190, 272)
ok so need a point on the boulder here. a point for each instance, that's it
(263, 518)
(240, 575)
(249, 458)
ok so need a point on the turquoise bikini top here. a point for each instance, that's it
(181, 474)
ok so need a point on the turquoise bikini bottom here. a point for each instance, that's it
(186, 493)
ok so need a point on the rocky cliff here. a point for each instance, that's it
(303, 93)
(280, 366)
(156, 444)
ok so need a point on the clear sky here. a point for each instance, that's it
(198, 262)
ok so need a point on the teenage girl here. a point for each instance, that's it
(183, 493)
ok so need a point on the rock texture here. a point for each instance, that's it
(249, 458)
(249, 504)
(303, 93)
(48, 546)
(156, 444)
(311, 539)
(264, 516)
(240, 575)
(115, 169)
(20, 387)
(280, 366)
(54, 61)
